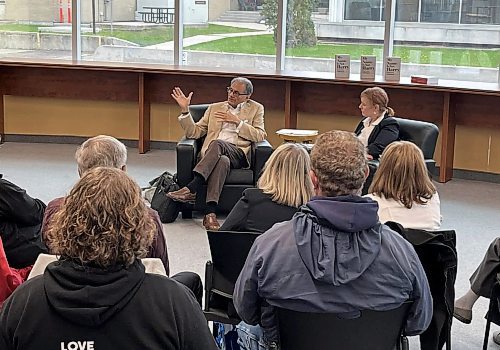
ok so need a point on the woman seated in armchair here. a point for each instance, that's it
(378, 127)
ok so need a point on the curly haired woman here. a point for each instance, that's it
(98, 294)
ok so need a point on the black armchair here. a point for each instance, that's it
(238, 179)
(423, 134)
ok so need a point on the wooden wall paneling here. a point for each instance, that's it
(477, 110)
(416, 104)
(71, 83)
(144, 113)
(209, 89)
(205, 89)
(290, 106)
(270, 92)
(2, 118)
(325, 98)
(447, 138)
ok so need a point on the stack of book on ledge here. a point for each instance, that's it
(424, 79)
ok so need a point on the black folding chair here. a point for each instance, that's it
(493, 312)
(374, 330)
(229, 251)
(438, 254)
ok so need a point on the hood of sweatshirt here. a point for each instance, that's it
(338, 238)
(90, 296)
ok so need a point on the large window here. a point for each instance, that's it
(481, 11)
(128, 30)
(440, 11)
(35, 29)
(370, 10)
(454, 39)
(448, 52)
(407, 10)
(217, 36)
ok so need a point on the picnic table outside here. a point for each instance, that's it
(158, 14)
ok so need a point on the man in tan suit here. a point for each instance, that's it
(230, 128)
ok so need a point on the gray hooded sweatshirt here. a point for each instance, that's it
(333, 256)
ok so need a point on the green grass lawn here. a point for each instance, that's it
(19, 27)
(263, 44)
(150, 36)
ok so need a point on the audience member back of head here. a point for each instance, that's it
(334, 255)
(282, 188)
(404, 190)
(98, 294)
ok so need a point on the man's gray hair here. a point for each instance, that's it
(338, 159)
(248, 84)
(103, 151)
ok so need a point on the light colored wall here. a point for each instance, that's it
(476, 149)
(417, 32)
(217, 7)
(35, 11)
(63, 117)
(48, 10)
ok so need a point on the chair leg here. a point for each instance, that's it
(486, 335)
(403, 343)
(488, 323)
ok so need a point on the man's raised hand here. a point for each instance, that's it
(181, 99)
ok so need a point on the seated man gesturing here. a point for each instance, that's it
(230, 128)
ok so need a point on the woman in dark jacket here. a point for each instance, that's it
(378, 127)
(283, 187)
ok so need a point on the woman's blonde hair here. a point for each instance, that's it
(402, 175)
(103, 221)
(379, 98)
(286, 176)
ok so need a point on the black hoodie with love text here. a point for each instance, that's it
(72, 307)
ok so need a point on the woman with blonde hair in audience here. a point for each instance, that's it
(404, 190)
(98, 294)
(282, 188)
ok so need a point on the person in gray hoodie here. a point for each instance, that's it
(334, 255)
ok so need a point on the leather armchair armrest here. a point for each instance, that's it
(261, 151)
(187, 155)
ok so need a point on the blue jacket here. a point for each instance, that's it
(333, 256)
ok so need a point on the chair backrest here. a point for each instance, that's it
(229, 252)
(374, 330)
(423, 134)
(438, 254)
(197, 111)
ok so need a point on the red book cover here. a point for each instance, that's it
(423, 79)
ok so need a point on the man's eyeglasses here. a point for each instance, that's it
(230, 90)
